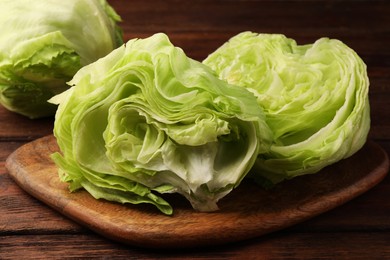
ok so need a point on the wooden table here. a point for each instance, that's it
(359, 229)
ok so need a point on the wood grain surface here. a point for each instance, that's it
(248, 212)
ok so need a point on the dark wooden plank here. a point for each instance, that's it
(8, 147)
(232, 16)
(379, 96)
(282, 245)
(23, 214)
(368, 212)
(17, 127)
(364, 213)
(355, 23)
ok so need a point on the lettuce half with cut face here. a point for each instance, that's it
(44, 43)
(147, 120)
(315, 98)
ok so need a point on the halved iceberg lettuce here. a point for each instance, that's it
(147, 120)
(315, 98)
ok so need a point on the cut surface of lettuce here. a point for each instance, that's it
(44, 43)
(315, 98)
(147, 120)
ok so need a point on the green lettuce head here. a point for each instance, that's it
(147, 120)
(315, 98)
(44, 43)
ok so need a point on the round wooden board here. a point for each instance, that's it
(248, 211)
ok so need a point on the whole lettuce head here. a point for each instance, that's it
(147, 120)
(44, 43)
(315, 98)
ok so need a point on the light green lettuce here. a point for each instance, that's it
(44, 43)
(147, 120)
(315, 98)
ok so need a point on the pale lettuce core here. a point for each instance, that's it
(314, 96)
(147, 120)
(44, 43)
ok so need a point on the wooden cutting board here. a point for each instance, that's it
(247, 212)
